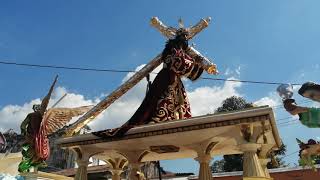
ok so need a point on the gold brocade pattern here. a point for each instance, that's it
(173, 103)
(167, 99)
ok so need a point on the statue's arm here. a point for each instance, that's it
(24, 125)
(204, 62)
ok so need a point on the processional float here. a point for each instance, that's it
(168, 32)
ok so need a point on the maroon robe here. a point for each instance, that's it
(166, 99)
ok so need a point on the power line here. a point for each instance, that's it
(65, 67)
(249, 81)
(290, 154)
(127, 71)
(281, 105)
(281, 119)
(288, 122)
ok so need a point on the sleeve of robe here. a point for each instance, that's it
(182, 64)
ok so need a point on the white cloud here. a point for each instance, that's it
(233, 72)
(266, 101)
(12, 115)
(238, 70)
(206, 99)
(203, 100)
(227, 72)
(272, 100)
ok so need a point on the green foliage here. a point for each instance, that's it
(230, 162)
(281, 151)
(317, 159)
(276, 161)
(218, 166)
(309, 161)
(233, 103)
(233, 162)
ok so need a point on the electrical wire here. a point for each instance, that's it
(249, 81)
(288, 122)
(290, 154)
(127, 71)
(65, 67)
(281, 106)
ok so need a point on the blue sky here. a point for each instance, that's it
(268, 40)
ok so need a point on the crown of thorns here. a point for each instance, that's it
(182, 31)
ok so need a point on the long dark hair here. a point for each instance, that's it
(178, 42)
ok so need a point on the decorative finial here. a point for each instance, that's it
(181, 25)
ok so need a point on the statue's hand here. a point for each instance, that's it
(212, 69)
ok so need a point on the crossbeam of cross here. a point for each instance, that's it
(168, 32)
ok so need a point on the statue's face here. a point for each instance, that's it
(312, 94)
(182, 37)
(182, 40)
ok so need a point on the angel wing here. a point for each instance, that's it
(299, 141)
(302, 145)
(55, 118)
(45, 100)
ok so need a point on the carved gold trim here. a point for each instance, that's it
(164, 149)
(169, 131)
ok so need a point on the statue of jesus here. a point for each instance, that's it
(166, 99)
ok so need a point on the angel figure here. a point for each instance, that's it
(38, 125)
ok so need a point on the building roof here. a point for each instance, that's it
(271, 171)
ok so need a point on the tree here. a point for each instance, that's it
(234, 162)
(217, 166)
(276, 161)
(231, 162)
(233, 103)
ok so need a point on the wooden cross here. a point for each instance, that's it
(168, 32)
